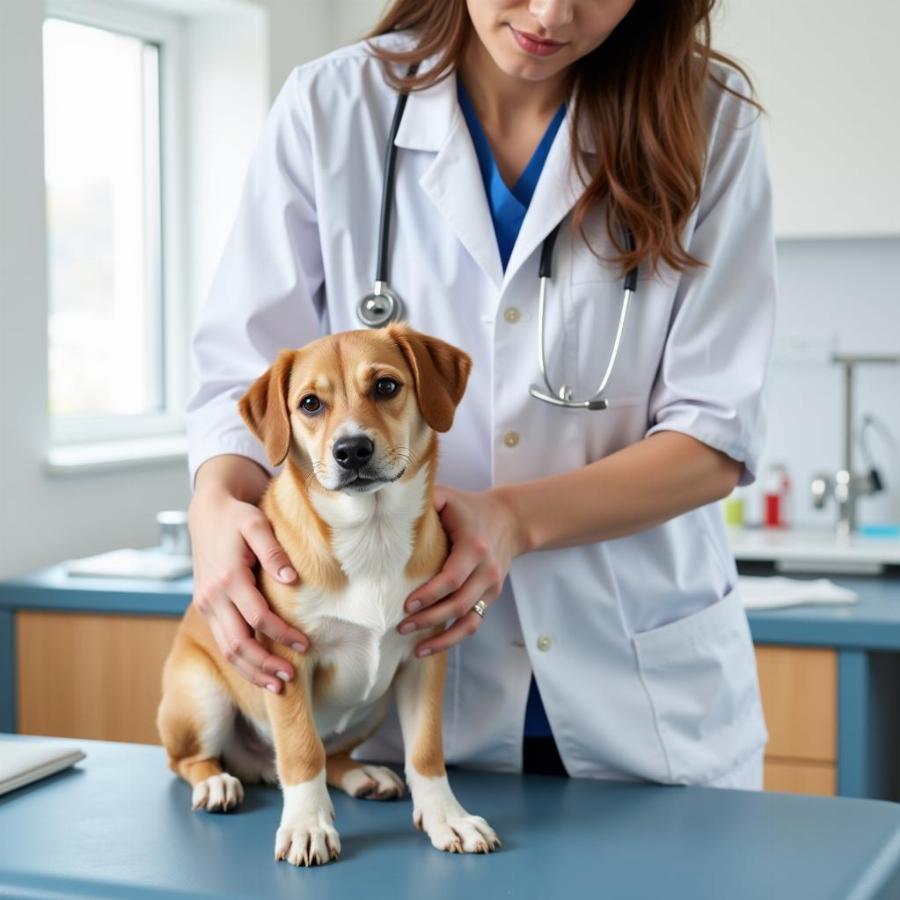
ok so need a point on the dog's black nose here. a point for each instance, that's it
(353, 452)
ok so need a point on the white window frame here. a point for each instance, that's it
(166, 30)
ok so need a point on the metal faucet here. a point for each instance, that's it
(845, 485)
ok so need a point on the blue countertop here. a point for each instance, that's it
(873, 623)
(119, 824)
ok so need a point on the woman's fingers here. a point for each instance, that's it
(457, 569)
(464, 627)
(253, 675)
(453, 606)
(259, 616)
(258, 534)
(246, 654)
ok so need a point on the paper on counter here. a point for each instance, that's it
(22, 762)
(131, 563)
(770, 592)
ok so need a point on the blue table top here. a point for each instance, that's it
(873, 623)
(119, 824)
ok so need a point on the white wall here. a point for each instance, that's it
(849, 289)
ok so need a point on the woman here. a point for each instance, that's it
(613, 644)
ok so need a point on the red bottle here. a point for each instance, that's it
(776, 490)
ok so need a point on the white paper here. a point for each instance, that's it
(22, 762)
(770, 592)
(131, 563)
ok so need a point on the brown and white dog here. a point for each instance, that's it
(353, 416)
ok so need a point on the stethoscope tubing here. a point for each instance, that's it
(384, 305)
(563, 397)
(387, 191)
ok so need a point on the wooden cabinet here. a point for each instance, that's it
(799, 695)
(98, 676)
(91, 675)
(800, 778)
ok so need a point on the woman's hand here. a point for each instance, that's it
(228, 536)
(485, 536)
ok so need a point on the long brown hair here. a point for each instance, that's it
(640, 95)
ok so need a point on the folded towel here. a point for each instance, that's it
(22, 762)
(769, 592)
(131, 563)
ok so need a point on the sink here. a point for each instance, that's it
(815, 550)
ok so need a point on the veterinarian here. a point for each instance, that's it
(595, 625)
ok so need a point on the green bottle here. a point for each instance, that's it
(733, 508)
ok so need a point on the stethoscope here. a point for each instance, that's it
(384, 305)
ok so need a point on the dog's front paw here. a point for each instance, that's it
(461, 833)
(307, 844)
(440, 815)
(218, 793)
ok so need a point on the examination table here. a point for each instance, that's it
(119, 824)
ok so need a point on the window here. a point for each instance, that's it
(116, 332)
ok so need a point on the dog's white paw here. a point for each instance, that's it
(440, 815)
(306, 836)
(458, 834)
(373, 783)
(307, 844)
(218, 793)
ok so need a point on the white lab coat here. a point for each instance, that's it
(640, 646)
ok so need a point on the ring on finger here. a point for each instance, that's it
(480, 607)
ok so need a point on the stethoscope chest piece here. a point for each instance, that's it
(379, 308)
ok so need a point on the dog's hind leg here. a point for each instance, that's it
(362, 779)
(195, 721)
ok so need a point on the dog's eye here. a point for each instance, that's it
(310, 404)
(386, 387)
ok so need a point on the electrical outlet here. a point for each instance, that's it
(805, 349)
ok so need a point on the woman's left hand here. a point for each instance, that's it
(485, 537)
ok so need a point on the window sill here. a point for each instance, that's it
(110, 456)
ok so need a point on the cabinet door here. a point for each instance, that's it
(800, 778)
(92, 676)
(799, 696)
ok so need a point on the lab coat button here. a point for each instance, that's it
(543, 643)
(512, 314)
(511, 438)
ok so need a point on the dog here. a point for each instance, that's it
(354, 418)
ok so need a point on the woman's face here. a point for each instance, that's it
(537, 39)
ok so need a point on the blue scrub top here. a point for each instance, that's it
(508, 206)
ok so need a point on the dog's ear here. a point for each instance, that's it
(440, 372)
(264, 408)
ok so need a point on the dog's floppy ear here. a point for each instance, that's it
(440, 372)
(264, 408)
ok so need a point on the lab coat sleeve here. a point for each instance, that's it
(266, 292)
(715, 364)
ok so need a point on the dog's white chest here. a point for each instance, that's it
(354, 630)
(355, 635)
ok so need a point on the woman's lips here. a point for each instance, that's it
(534, 45)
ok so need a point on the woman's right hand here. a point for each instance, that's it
(228, 536)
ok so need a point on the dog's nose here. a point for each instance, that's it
(353, 452)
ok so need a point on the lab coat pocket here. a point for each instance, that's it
(700, 675)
